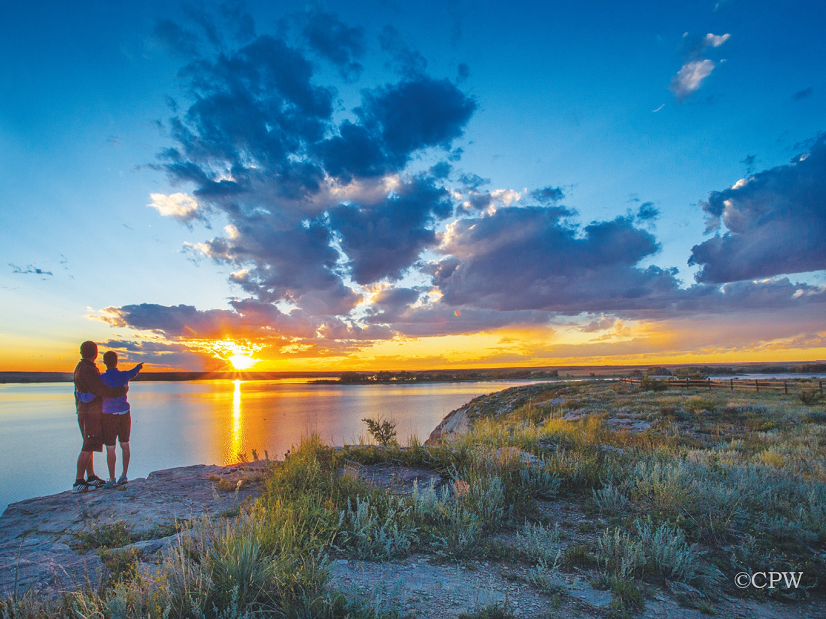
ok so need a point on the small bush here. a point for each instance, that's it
(696, 405)
(620, 553)
(382, 430)
(652, 384)
(810, 396)
(121, 564)
(610, 499)
(627, 594)
(579, 555)
(377, 532)
(539, 543)
(493, 611)
(115, 535)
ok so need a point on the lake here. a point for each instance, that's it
(207, 422)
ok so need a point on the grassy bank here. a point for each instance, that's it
(714, 485)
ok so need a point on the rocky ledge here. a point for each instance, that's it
(42, 539)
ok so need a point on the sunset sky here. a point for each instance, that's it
(409, 185)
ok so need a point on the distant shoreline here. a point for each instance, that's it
(436, 375)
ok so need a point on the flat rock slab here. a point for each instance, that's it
(398, 479)
(437, 591)
(38, 537)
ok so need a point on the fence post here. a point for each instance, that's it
(731, 380)
(785, 387)
(757, 385)
(709, 384)
(687, 386)
(821, 386)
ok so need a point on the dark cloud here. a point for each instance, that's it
(161, 355)
(384, 239)
(285, 263)
(254, 110)
(441, 170)
(749, 162)
(647, 212)
(402, 57)
(548, 195)
(174, 39)
(599, 325)
(335, 41)
(803, 94)
(259, 145)
(28, 270)
(462, 72)
(535, 258)
(775, 223)
(473, 181)
(235, 16)
(396, 121)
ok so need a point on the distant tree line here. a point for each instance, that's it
(704, 371)
(404, 376)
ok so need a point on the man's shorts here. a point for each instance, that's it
(116, 427)
(91, 429)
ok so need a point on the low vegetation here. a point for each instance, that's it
(709, 486)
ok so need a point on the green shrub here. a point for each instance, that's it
(652, 384)
(382, 430)
(115, 535)
(810, 396)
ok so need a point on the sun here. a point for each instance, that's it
(237, 354)
(242, 362)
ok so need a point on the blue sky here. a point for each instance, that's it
(615, 105)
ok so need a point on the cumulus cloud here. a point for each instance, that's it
(775, 222)
(179, 206)
(536, 258)
(322, 213)
(384, 239)
(260, 146)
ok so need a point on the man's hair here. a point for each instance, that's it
(88, 349)
(110, 358)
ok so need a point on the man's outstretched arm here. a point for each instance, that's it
(134, 371)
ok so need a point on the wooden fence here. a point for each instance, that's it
(734, 384)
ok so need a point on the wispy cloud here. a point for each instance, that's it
(697, 67)
(28, 270)
(690, 77)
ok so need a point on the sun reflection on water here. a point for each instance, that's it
(237, 436)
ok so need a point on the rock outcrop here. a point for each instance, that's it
(40, 538)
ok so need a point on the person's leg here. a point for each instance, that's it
(83, 463)
(111, 458)
(90, 465)
(124, 432)
(124, 447)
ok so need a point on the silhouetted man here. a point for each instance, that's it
(89, 393)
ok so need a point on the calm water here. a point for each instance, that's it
(206, 422)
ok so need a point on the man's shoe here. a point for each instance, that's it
(82, 486)
(109, 485)
(122, 480)
(95, 481)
